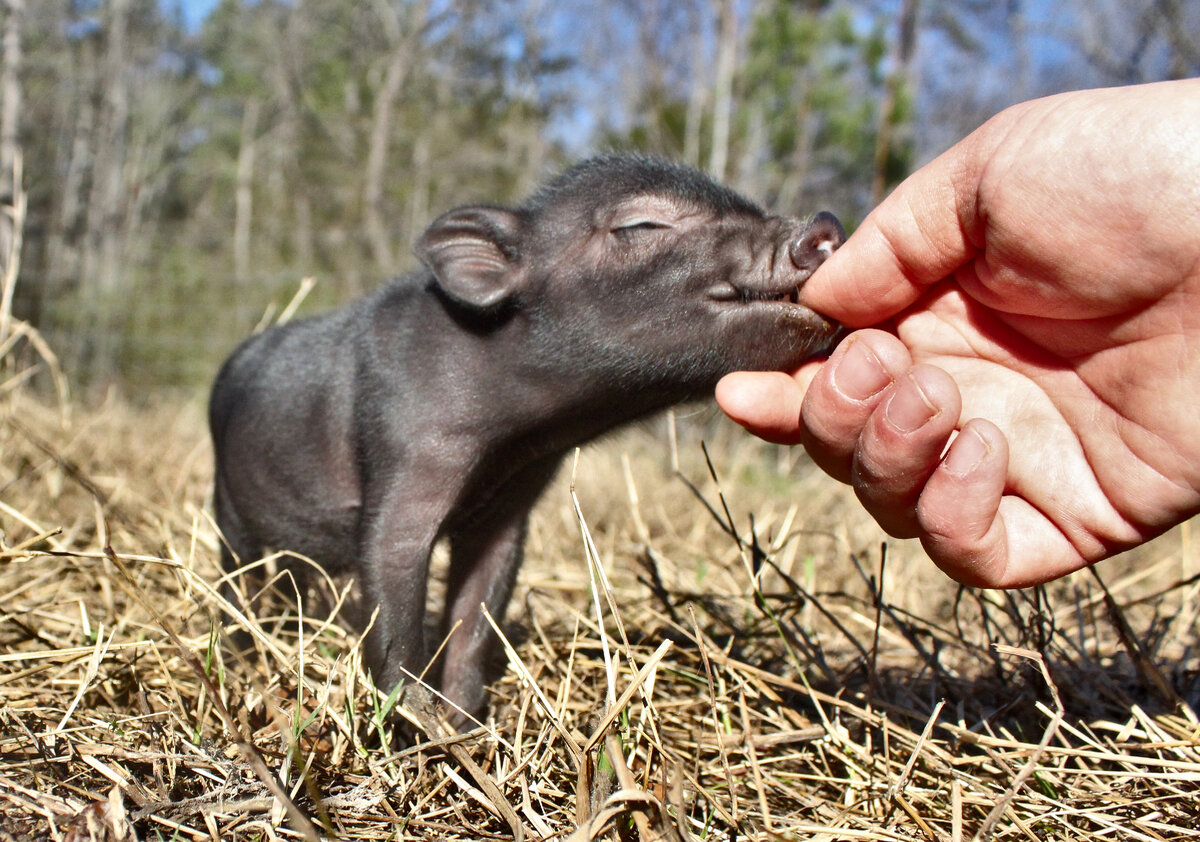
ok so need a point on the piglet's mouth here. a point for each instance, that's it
(731, 294)
(772, 307)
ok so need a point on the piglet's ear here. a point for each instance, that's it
(472, 253)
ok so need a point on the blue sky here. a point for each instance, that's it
(194, 11)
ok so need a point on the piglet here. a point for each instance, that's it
(439, 406)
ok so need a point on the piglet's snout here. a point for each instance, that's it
(816, 241)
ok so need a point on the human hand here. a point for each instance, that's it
(1039, 286)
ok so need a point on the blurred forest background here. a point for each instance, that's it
(187, 164)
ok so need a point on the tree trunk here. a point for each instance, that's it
(10, 92)
(244, 197)
(104, 204)
(418, 199)
(286, 164)
(1018, 27)
(698, 94)
(11, 193)
(375, 173)
(62, 260)
(1183, 47)
(902, 59)
(718, 161)
(96, 348)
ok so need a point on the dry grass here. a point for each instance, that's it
(787, 683)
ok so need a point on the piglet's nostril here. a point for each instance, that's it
(816, 242)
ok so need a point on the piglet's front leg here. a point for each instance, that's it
(397, 542)
(485, 554)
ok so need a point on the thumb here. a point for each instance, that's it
(916, 237)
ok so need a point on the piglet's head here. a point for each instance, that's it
(638, 269)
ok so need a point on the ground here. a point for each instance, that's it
(755, 661)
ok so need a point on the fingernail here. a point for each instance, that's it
(909, 409)
(967, 451)
(859, 374)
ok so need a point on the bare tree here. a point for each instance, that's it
(402, 38)
(11, 193)
(698, 89)
(903, 52)
(104, 203)
(1134, 41)
(286, 58)
(99, 269)
(76, 114)
(10, 92)
(718, 161)
(243, 204)
(1182, 36)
